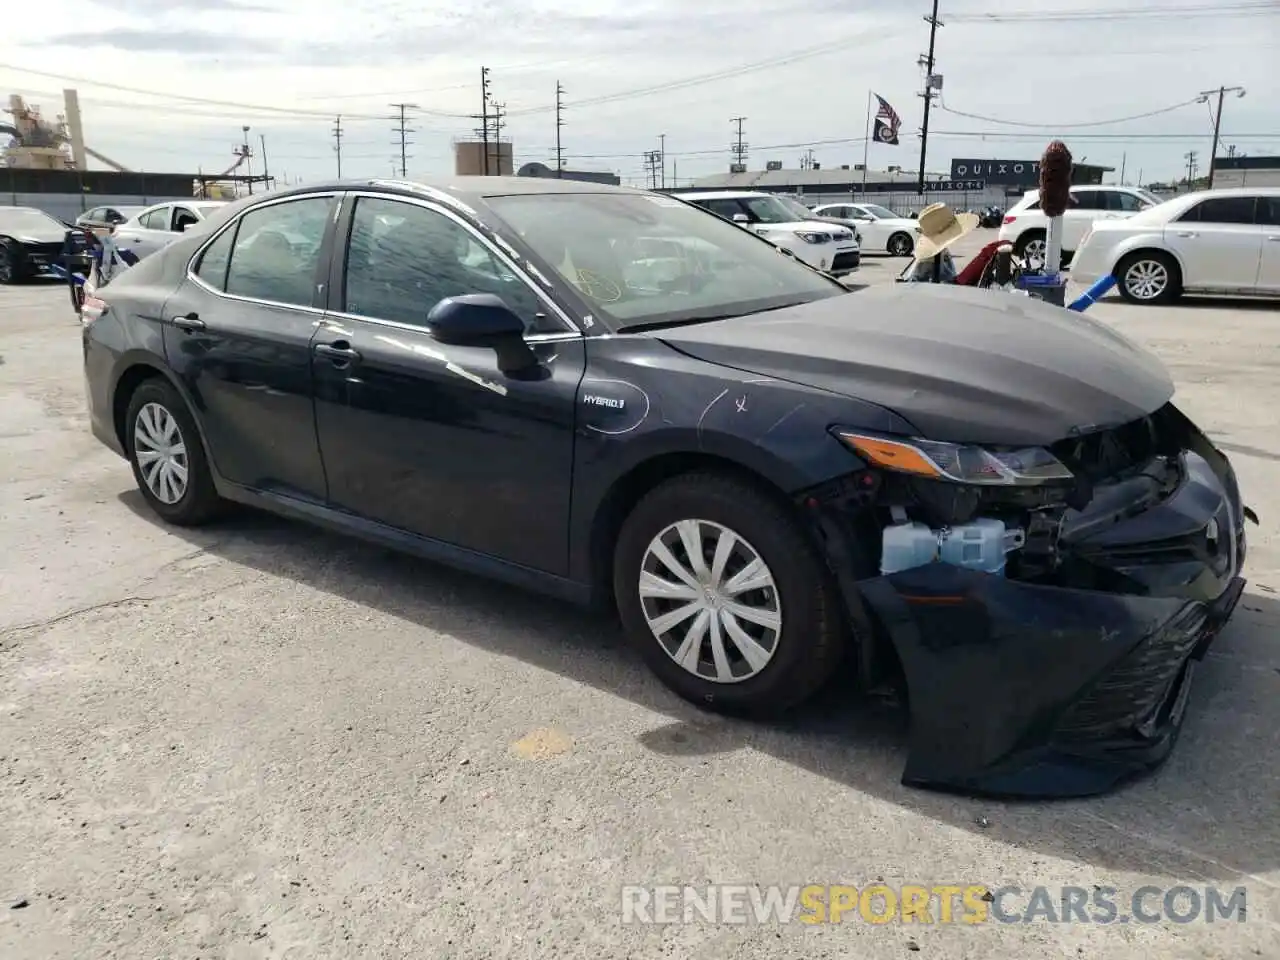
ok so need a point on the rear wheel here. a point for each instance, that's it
(900, 245)
(1031, 247)
(1149, 277)
(167, 457)
(724, 597)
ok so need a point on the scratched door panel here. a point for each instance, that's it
(436, 440)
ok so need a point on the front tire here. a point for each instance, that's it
(726, 600)
(167, 456)
(1149, 278)
(9, 270)
(900, 245)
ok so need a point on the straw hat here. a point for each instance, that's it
(940, 227)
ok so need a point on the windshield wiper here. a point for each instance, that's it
(708, 318)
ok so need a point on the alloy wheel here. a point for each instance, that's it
(6, 266)
(1034, 252)
(161, 453)
(1146, 279)
(899, 246)
(710, 601)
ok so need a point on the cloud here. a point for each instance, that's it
(197, 43)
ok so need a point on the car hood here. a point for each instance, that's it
(44, 235)
(962, 365)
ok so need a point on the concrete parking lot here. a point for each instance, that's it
(260, 740)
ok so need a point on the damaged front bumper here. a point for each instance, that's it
(1028, 689)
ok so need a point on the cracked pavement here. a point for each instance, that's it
(260, 740)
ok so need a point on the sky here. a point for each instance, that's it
(167, 85)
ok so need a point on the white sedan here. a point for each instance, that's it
(161, 224)
(1223, 242)
(882, 230)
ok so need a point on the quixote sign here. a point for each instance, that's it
(1003, 172)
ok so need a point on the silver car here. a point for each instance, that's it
(159, 225)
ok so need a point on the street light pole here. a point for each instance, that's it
(1221, 93)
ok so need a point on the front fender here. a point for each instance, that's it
(1150, 240)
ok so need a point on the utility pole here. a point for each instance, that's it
(739, 148)
(662, 151)
(337, 142)
(652, 159)
(559, 124)
(484, 115)
(928, 64)
(1217, 122)
(1191, 169)
(1124, 157)
(404, 130)
(498, 124)
(266, 176)
(246, 152)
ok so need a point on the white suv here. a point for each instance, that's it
(1025, 225)
(829, 247)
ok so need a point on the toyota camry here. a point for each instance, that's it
(612, 396)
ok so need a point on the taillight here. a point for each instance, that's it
(1009, 219)
(92, 309)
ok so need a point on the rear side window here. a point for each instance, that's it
(1124, 202)
(277, 251)
(1089, 200)
(1268, 213)
(212, 266)
(1232, 210)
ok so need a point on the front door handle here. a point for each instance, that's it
(339, 352)
(190, 323)
(1273, 239)
(1187, 233)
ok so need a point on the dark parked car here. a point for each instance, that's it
(32, 243)
(609, 394)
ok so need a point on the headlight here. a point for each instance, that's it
(957, 463)
(813, 237)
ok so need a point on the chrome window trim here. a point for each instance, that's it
(234, 222)
(438, 207)
(419, 328)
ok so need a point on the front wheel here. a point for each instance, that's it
(900, 245)
(1148, 277)
(725, 598)
(9, 273)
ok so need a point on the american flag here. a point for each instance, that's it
(887, 123)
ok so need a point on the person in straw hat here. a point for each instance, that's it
(939, 227)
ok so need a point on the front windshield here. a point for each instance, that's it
(879, 212)
(1150, 197)
(771, 210)
(27, 221)
(641, 259)
(798, 210)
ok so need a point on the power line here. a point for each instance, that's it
(403, 130)
(1071, 126)
(1260, 8)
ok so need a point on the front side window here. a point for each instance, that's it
(723, 208)
(1268, 212)
(403, 259)
(1226, 210)
(639, 259)
(212, 265)
(1088, 200)
(183, 218)
(768, 210)
(877, 212)
(277, 251)
(157, 219)
(1125, 202)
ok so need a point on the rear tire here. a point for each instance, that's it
(167, 456)
(761, 629)
(1149, 277)
(900, 245)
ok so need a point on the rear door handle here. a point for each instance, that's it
(1273, 239)
(340, 352)
(1187, 233)
(191, 323)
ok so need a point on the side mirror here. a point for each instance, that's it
(741, 218)
(482, 320)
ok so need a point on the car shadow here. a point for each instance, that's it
(1208, 814)
(1205, 303)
